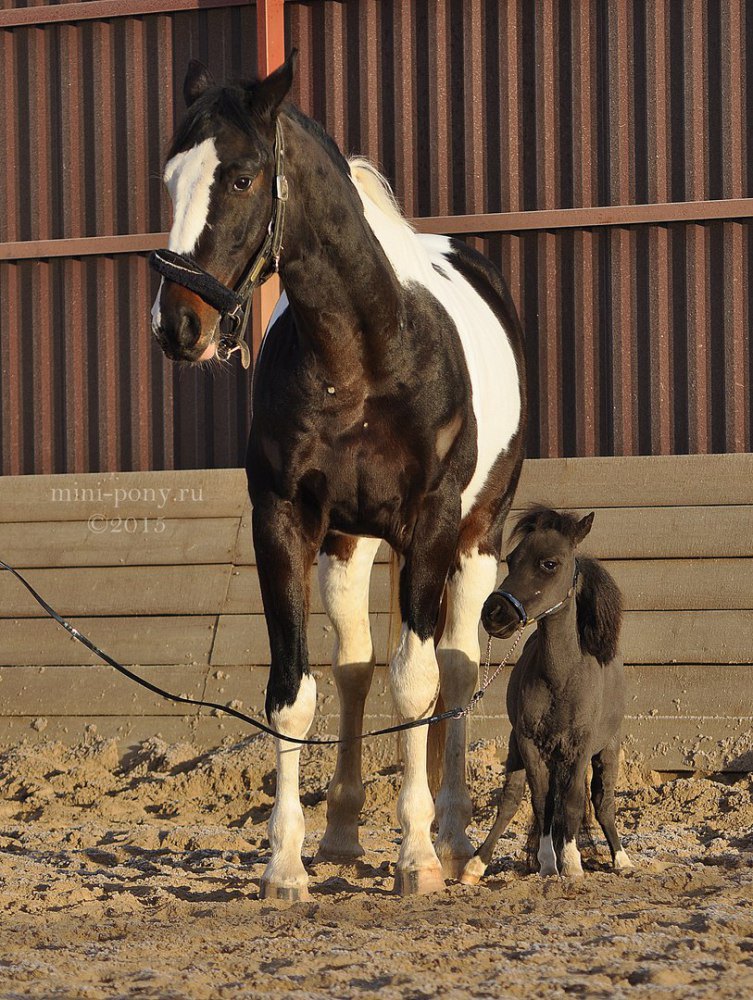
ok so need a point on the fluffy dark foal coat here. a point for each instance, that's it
(566, 696)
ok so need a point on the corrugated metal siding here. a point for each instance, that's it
(83, 386)
(638, 335)
(475, 106)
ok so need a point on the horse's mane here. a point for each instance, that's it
(377, 188)
(232, 102)
(598, 598)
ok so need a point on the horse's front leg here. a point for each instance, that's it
(284, 556)
(414, 680)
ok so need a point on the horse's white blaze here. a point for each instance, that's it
(286, 824)
(546, 857)
(189, 177)
(488, 352)
(414, 679)
(458, 655)
(571, 864)
(156, 315)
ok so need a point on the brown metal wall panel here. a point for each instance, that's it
(638, 336)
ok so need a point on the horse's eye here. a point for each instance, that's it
(241, 183)
(550, 565)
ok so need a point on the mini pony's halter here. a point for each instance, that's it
(234, 304)
(520, 611)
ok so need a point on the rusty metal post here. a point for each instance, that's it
(270, 47)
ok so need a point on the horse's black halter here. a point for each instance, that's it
(234, 304)
(520, 611)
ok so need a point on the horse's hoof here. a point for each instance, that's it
(418, 882)
(622, 862)
(453, 868)
(545, 871)
(339, 853)
(288, 893)
(473, 871)
(571, 871)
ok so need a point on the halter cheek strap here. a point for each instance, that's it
(234, 304)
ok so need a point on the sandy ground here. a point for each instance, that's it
(139, 878)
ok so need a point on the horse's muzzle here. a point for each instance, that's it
(502, 614)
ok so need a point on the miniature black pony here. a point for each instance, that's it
(566, 696)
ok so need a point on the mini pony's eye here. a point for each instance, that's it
(549, 565)
(241, 183)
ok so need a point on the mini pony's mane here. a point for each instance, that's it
(376, 187)
(598, 598)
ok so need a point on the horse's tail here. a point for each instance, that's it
(395, 621)
(437, 732)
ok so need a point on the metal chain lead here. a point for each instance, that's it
(487, 679)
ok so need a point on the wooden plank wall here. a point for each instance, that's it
(158, 569)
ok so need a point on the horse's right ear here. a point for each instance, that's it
(584, 526)
(268, 94)
(198, 79)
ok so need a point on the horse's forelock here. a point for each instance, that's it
(540, 518)
(229, 104)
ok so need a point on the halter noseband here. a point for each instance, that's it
(234, 304)
(520, 611)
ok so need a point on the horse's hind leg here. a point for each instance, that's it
(414, 681)
(605, 767)
(344, 573)
(512, 793)
(458, 652)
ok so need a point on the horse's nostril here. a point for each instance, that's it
(178, 331)
(492, 609)
(188, 328)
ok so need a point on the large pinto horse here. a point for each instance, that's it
(388, 403)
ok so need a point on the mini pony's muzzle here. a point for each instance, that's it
(502, 614)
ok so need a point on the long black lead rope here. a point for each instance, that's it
(452, 713)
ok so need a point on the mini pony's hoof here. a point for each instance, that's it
(473, 871)
(418, 882)
(288, 893)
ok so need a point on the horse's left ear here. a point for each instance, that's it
(584, 526)
(198, 79)
(268, 94)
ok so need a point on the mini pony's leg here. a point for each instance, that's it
(605, 768)
(458, 654)
(512, 793)
(571, 796)
(542, 800)
(344, 573)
